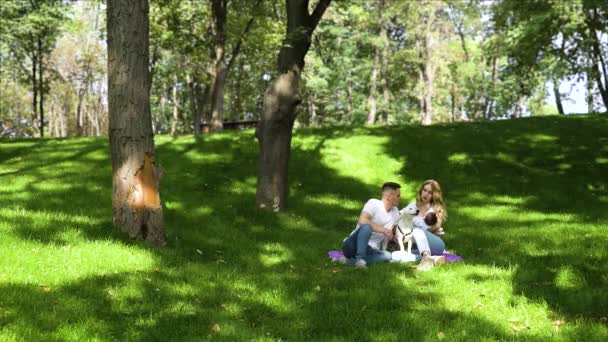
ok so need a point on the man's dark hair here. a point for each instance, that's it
(390, 186)
(430, 219)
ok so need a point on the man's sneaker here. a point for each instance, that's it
(341, 260)
(360, 263)
(426, 263)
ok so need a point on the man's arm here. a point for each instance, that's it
(366, 218)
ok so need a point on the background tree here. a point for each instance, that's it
(29, 32)
(135, 176)
(274, 130)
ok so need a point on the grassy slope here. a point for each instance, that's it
(527, 206)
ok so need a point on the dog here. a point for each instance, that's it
(402, 231)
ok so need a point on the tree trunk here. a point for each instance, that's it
(274, 130)
(558, 96)
(384, 65)
(312, 110)
(41, 87)
(34, 87)
(590, 108)
(371, 100)
(349, 99)
(219, 10)
(79, 116)
(175, 108)
(430, 77)
(136, 204)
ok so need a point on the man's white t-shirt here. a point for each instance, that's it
(375, 208)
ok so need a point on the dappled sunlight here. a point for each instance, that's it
(460, 159)
(362, 157)
(328, 200)
(513, 214)
(568, 278)
(273, 254)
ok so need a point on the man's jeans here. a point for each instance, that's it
(355, 247)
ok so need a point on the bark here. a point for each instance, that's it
(590, 108)
(597, 57)
(175, 108)
(312, 110)
(136, 204)
(371, 100)
(34, 86)
(384, 72)
(558, 96)
(274, 130)
(41, 87)
(349, 99)
(221, 67)
(79, 120)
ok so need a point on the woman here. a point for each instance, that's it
(429, 199)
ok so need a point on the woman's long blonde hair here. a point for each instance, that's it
(436, 201)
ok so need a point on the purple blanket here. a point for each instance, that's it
(449, 257)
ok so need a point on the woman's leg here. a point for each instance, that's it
(428, 242)
(436, 245)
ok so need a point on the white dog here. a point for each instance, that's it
(403, 233)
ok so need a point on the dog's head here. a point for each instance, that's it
(410, 209)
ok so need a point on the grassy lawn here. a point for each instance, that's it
(528, 210)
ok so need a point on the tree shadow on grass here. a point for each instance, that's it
(541, 168)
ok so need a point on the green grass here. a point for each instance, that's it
(528, 209)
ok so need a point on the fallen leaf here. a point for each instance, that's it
(317, 288)
(440, 335)
(215, 328)
(199, 251)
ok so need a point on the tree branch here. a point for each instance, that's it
(237, 48)
(316, 15)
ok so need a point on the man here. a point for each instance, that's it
(364, 245)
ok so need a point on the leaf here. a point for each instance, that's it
(199, 251)
(440, 335)
(215, 328)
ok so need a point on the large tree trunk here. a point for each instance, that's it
(136, 204)
(558, 96)
(219, 9)
(371, 100)
(274, 130)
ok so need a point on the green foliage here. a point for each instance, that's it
(526, 211)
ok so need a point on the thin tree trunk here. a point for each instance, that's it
(41, 87)
(371, 100)
(34, 87)
(312, 110)
(590, 108)
(136, 204)
(175, 108)
(274, 130)
(79, 116)
(384, 65)
(349, 99)
(430, 77)
(558, 96)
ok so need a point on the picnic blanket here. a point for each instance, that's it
(402, 256)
